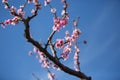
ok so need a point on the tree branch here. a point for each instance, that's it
(40, 48)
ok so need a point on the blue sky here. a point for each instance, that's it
(100, 26)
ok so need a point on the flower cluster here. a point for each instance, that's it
(13, 21)
(58, 23)
(45, 63)
(75, 34)
(43, 59)
(70, 40)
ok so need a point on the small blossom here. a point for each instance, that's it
(33, 11)
(35, 50)
(43, 60)
(13, 9)
(67, 49)
(55, 67)
(6, 7)
(46, 2)
(63, 0)
(53, 10)
(7, 22)
(65, 56)
(56, 20)
(76, 33)
(22, 6)
(4, 1)
(59, 43)
(51, 76)
(15, 20)
(63, 22)
(20, 12)
(77, 49)
(75, 23)
(63, 12)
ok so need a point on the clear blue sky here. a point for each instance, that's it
(100, 26)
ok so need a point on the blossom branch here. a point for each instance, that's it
(58, 23)
(40, 48)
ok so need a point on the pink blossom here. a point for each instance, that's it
(63, 22)
(12, 9)
(73, 38)
(63, 0)
(59, 43)
(20, 12)
(15, 20)
(67, 49)
(58, 23)
(33, 11)
(53, 10)
(6, 7)
(65, 56)
(77, 49)
(56, 20)
(46, 2)
(35, 50)
(4, 1)
(7, 22)
(76, 32)
(22, 6)
(51, 76)
(75, 23)
(67, 36)
(43, 60)
(54, 66)
(57, 27)
(63, 12)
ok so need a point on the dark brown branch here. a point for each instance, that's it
(62, 67)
